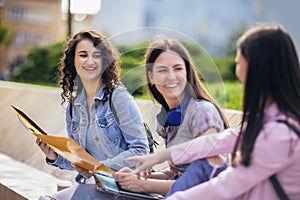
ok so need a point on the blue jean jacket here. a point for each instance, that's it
(114, 141)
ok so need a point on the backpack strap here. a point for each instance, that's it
(71, 109)
(294, 128)
(113, 109)
(151, 141)
(279, 190)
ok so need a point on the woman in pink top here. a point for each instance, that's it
(267, 64)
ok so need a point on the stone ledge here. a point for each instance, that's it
(21, 181)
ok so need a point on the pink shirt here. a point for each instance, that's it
(277, 150)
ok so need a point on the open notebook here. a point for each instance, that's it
(70, 150)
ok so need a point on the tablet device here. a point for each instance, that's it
(108, 184)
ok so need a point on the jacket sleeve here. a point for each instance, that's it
(61, 162)
(273, 152)
(205, 146)
(132, 127)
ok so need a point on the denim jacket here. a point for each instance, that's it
(115, 140)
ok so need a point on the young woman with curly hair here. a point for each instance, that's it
(89, 77)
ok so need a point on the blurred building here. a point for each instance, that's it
(212, 23)
(285, 12)
(33, 23)
(209, 22)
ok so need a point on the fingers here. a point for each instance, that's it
(48, 151)
(126, 169)
(130, 183)
(132, 159)
(83, 172)
(147, 174)
(42, 145)
(139, 163)
(38, 141)
(143, 168)
(124, 174)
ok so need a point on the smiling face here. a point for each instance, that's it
(169, 76)
(88, 61)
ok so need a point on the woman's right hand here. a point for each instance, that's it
(48, 151)
(145, 163)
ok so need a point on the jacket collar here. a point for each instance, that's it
(81, 98)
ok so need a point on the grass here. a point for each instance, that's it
(228, 94)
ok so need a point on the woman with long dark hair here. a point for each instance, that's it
(187, 111)
(268, 66)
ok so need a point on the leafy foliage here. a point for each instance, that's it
(228, 95)
(6, 34)
(132, 73)
(226, 66)
(231, 44)
(41, 65)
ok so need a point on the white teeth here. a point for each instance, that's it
(171, 86)
(89, 68)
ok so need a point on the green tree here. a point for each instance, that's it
(132, 68)
(231, 44)
(41, 65)
(6, 38)
(6, 34)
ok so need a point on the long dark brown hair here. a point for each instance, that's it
(68, 78)
(194, 87)
(273, 72)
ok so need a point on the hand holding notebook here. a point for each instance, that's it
(66, 147)
(70, 150)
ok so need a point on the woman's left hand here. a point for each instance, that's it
(128, 180)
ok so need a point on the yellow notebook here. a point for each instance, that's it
(70, 150)
(65, 146)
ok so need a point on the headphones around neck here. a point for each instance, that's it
(173, 117)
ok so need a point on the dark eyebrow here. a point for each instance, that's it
(160, 66)
(178, 64)
(82, 51)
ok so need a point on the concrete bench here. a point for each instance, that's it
(24, 173)
(22, 181)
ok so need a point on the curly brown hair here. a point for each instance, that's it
(68, 79)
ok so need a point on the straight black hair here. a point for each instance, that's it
(273, 75)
